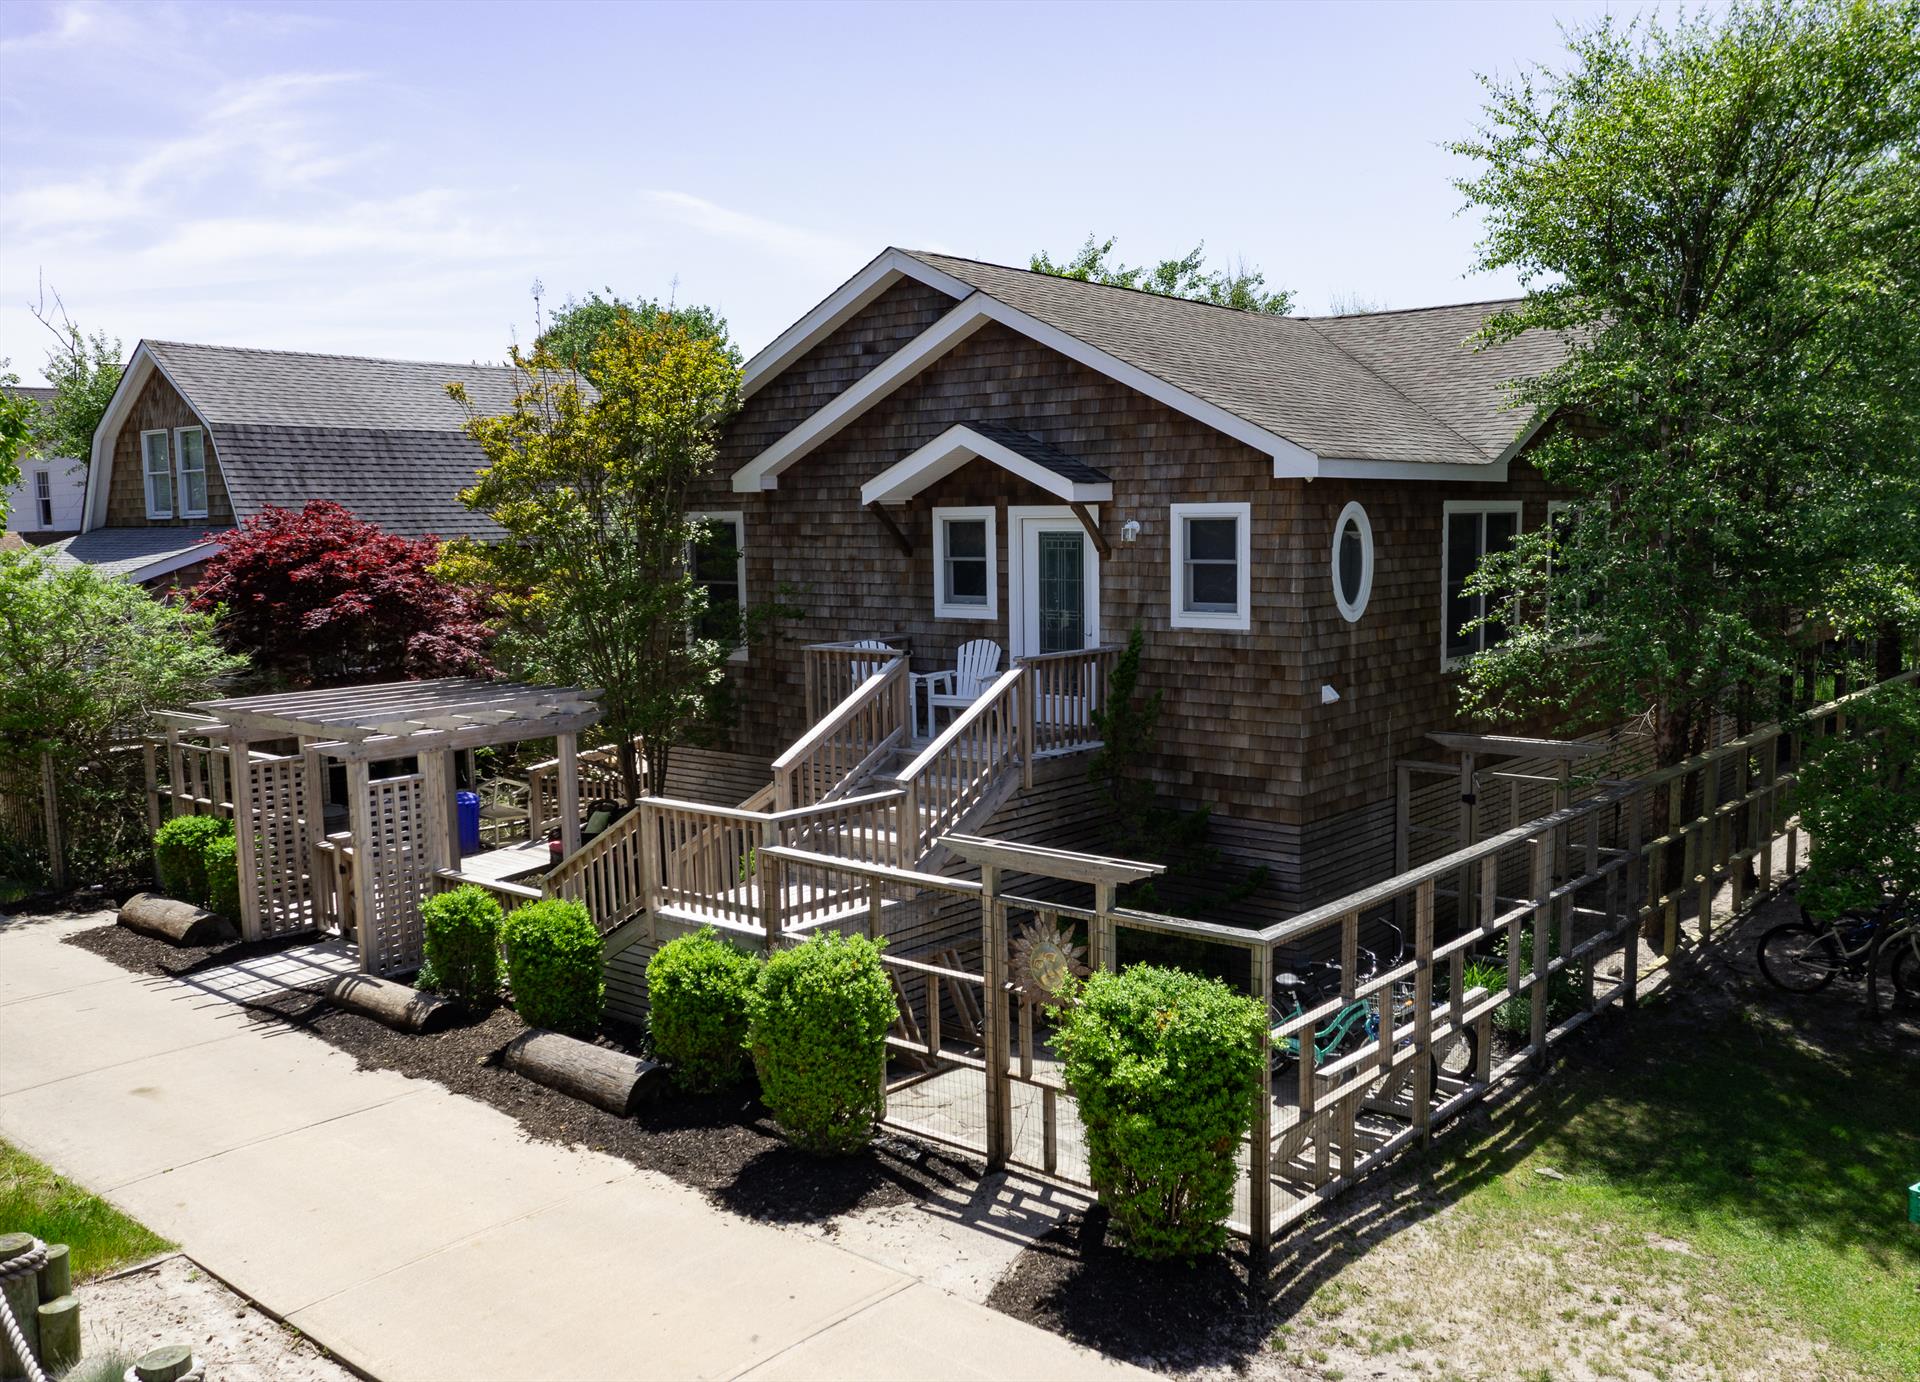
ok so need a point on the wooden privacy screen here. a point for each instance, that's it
(278, 801)
(394, 867)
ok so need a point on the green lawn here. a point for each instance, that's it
(1698, 1196)
(34, 1199)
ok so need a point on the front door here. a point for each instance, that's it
(1057, 606)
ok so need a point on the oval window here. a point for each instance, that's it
(1352, 562)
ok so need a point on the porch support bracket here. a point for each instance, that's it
(900, 538)
(1093, 529)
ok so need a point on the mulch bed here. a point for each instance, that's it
(725, 1146)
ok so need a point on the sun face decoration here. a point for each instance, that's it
(1046, 961)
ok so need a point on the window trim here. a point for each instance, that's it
(1236, 620)
(1352, 610)
(180, 473)
(148, 474)
(43, 497)
(942, 608)
(738, 518)
(1448, 662)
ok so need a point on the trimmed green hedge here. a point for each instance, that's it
(554, 966)
(221, 858)
(462, 944)
(817, 1024)
(697, 993)
(1165, 1066)
(179, 861)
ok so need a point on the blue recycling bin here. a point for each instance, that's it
(467, 805)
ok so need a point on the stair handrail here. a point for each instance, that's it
(607, 875)
(886, 698)
(922, 778)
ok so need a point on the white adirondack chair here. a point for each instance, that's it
(864, 672)
(976, 664)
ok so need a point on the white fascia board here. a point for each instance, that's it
(956, 446)
(763, 471)
(167, 565)
(1485, 472)
(840, 306)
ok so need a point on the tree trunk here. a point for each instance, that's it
(1886, 653)
(629, 769)
(658, 750)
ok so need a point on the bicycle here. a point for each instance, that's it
(1805, 956)
(1356, 1024)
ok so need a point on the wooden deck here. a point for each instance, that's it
(508, 864)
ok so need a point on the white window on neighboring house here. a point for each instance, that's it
(157, 469)
(719, 563)
(43, 496)
(1472, 530)
(965, 568)
(1212, 566)
(190, 446)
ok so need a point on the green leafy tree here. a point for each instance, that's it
(1859, 797)
(1719, 217)
(583, 324)
(84, 370)
(1239, 285)
(592, 487)
(16, 431)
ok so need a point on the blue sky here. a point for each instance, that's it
(391, 179)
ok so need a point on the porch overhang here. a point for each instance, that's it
(1041, 464)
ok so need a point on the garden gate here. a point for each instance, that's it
(275, 870)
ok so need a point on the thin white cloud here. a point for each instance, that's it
(777, 237)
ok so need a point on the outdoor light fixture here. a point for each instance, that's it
(1328, 695)
(1130, 530)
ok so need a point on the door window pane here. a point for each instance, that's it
(965, 574)
(1061, 593)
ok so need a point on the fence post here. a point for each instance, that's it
(1260, 1137)
(177, 775)
(1102, 943)
(1542, 846)
(993, 933)
(1707, 852)
(772, 875)
(56, 836)
(1423, 1008)
(1026, 703)
(150, 763)
(1635, 890)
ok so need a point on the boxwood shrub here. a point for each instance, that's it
(554, 966)
(179, 855)
(462, 944)
(1165, 1066)
(221, 859)
(697, 991)
(817, 1026)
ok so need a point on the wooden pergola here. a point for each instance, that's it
(403, 829)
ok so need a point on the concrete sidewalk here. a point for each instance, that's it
(420, 1235)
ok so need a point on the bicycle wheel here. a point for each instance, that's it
(1906, 966)
(1799, 958)
(1457, 1061)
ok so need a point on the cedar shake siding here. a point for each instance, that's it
(1305, 787)
(159, 405)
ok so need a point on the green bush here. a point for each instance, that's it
(1165, 1066)
(179, 855)
(817, 1025)
(221, 858)
(554, 966)
(1515, 1016)
(461, 928)
(697, 992)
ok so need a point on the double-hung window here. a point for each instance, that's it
(190, 452)
(156, 468)
(965, 581)
(719, 564)
(43, 496)
(1472, 531)
(1211, 566)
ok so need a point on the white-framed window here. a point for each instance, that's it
(1212, 566)
(1352, 562)
(719, 563)
(43, 496)
(966, 568)
(1470, 529)
(190, 458)
(156, 469)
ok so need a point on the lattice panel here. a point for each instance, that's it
(277, 798)
(395, 875)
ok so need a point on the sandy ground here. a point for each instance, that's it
(171, 1301)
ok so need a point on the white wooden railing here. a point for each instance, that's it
(869, 722)
(835, 670)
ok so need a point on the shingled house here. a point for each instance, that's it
(197, 438)
(946, 451)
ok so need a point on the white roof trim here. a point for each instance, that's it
(1490, 472)
(100, 465)
(166, 566)
(956, 446)
(837, 308)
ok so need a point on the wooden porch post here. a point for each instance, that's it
(993, 935)
(313, 803)
(567, 748)
(245, 835)
(367, 926)
(1260, 1136)
(441, 808)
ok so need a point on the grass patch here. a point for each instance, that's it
(34, 1199)
(1702, 1189)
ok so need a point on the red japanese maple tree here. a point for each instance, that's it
(321, 598)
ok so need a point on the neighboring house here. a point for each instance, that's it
(947, 450)
(47, 501)
(198, 438)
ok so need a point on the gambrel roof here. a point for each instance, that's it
(1390, 393)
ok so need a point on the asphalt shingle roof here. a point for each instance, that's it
(379, 436)
(1041, 453)
(125, 551)
(1398, 386)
